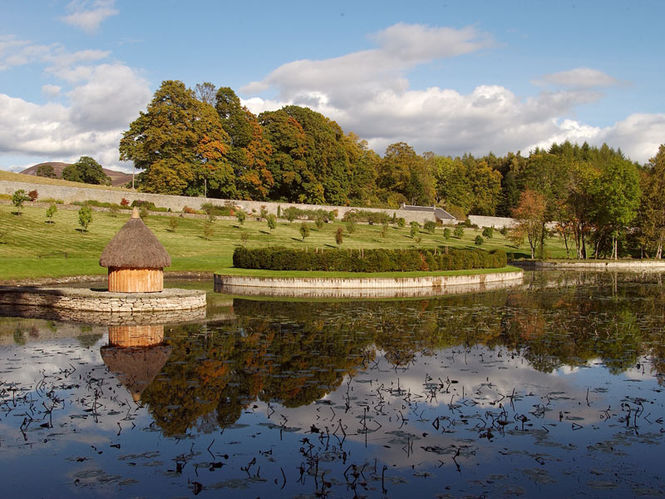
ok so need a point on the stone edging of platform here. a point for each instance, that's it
(433, 282)
(91, 300)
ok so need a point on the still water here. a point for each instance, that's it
(554, 388)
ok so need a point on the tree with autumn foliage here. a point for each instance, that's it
(530, 215)
(250, 150)
(180, 145)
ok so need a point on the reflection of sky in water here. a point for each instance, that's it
(463, 419)
(565, 444)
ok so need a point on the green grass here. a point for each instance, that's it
(31, 248)
(34, 179)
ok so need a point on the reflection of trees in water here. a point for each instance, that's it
(296, 352)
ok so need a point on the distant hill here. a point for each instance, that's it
(117, 178)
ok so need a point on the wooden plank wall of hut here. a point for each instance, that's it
(135, 280)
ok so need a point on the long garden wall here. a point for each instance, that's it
(177, 203)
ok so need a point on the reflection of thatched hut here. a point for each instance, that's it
(135, 368)
(135, 259)
(136, 335)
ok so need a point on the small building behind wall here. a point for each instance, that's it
(135, 259)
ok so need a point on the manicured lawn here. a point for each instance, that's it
(30, 247)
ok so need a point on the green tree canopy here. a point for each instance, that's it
(86, 170)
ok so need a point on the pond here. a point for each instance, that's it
(552, 388)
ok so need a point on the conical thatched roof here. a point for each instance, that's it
(135, 368)
(135, 247)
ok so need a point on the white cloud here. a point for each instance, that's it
(368, 92)
(91, 123)
(88, 15)
(579, 78)
(51, 90)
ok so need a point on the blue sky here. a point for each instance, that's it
(447, 76)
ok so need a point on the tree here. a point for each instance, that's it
(205, 92)
(250, 150)
(271, 219)
(651, 218)
(18, 198)
(46, 171)
(339, 236)
(404, 172)
(85, 217)
(241, 216)
(530, 215)
(86, 170)
(304, 230)
(180, 145)
(415, 229)
(50, 211)
(617, 197)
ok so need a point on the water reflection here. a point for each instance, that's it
(546, 389)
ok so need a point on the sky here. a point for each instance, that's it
(451, 77)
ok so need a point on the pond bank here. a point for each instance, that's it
(365, 287)
(618, 265)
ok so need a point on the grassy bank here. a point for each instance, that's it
(31, 248)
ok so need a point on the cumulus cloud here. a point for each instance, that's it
(89, 15)
(100, 100)
(368, 92)
(579, 78)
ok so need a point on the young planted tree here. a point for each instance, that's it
(304, 230)
(85, 217)
(50, 211)
(415, 229)
(271, 219)
(241, 216)
(18, 198)
(339, 236)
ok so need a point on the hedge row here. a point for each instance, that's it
(367, 260)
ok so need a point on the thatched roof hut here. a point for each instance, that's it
(135, 368)
(135, 259)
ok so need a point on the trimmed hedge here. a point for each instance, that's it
(366, 260)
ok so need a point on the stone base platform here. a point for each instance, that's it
(91, 305)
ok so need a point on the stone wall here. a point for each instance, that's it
(177, 203)
(82, 302)
(496, 222)
(363, 287)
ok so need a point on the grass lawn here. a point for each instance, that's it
(31, 248)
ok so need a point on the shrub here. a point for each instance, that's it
(143, 212)
(244, 236)
(371, 217)
(148, 205)
(446, 233)
(124, 202)
(241, 216)
(366, 260)
(263, 213)
(488, 232)
(190, 211)
(319, 221)
(384, 229)
(351, 225)
(85, 217)
(479, 240)
(503, 231)
(33, 195)
(430, 226)
(216, 210)
(292, 213)
(173, 223)
(401, 222)
(339, 236)
(458, 232)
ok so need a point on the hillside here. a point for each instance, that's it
(117, 178)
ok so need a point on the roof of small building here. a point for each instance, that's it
(135, 367)
(135, 247)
